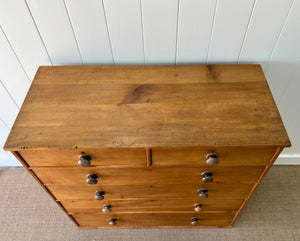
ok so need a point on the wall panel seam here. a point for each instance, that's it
(38, 31)
(247, 29)
(279, 36)
(9, 94)
(1, 120)
(212, 30)
(108, 33)
(177, 30)
(74, 35)
(143, 34)
(15, 54)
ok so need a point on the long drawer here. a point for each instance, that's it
(139, 175)
(152, 205)
(226, 155)
(135, 220)
(218, 191)
(99, 156)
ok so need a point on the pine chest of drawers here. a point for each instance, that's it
(149, 146)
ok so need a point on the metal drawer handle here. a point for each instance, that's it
(106, 208)
(84, 160)
(203, 193)
(112, 221)
(207, 177)
(198, 207)
(212, 159)
(92, 179)
(194, 221)
(99, 195)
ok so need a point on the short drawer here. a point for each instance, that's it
(226, 155)
(138, 175)
(134, 220)
(151, 205)
(214, 191)
(99, 157)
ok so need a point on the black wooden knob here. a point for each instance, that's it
(203, 193)
(207, 177)
(194, 221)
(212, 159)
(106, 208)
(113, 221)
(92, 179)
(84, 160)
(99, 195)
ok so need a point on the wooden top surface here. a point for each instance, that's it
(148, 106)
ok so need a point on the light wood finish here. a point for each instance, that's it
(25, 164)
(267, 168)
(219, 191)
(226, 155)
(70, 157)
(147, 131)
(137, 175)
(151, 205)
(148, 106)
(154, 220)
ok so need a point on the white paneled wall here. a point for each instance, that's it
(124, 23)
(76, 32)
(195, 21)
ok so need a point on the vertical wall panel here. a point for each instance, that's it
(89, 23)
(12, 74)
(229, 28)
(160, 30)
(20, 29)
(4, 133)
(53, 23)
(264, 29)
(285, 55)
(125, 29)
(194, 29)
(8, 109)
(290, 110)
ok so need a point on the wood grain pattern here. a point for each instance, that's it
(151, 205)
(155, 219)
(215, 191)
(267, 168)
(100, 156)
(98, 106)
(226, 155)
(139, 175)
(24, 163)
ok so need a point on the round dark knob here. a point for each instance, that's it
(207, 177)
(92, 179)
(212, 159)
(198, 207)
(106, 209)
(203, 193)
(84, 160)
(99, 195)
(194, 221)
(112, 221)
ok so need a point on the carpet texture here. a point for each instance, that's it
(28, 213)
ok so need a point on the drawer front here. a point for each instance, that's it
(226, 155)
(214, 191)
(152, 205)
(99, 157)
(144, 176)
(134, 220)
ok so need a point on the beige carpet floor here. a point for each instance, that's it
(28, 213)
